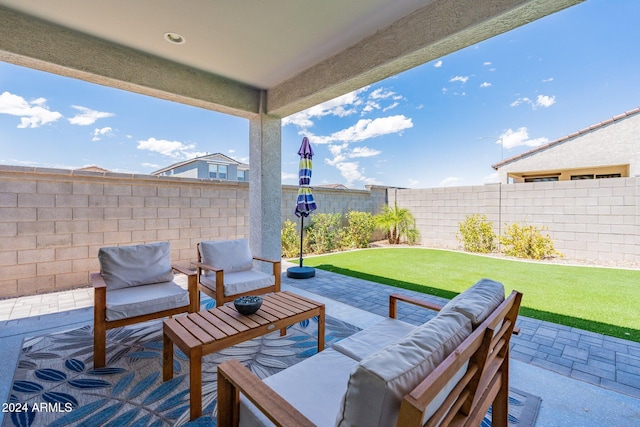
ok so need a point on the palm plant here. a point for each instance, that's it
(397, 222)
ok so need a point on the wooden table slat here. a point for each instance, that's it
(229, 320)
(193, 328)
(277, 306)
(181, 332)
(208, 327)
(300, 297)
(292, 297)
(224, 327)
(273, 311)
(239, 317)
(295, 306)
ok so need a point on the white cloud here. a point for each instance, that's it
(98, 133)
(438, 64)
(550, 79)
(151, 165)
(413, 183)
(367, 128)
(87, 116)
(364, 152)
(545, 101)
(174, 149)
(341, 106)
(462, 79)
(518, 138)
(450, 181)
(485, 84)
(541, 101)
(486, 63)
(32, 114)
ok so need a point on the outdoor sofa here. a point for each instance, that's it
(449, 369)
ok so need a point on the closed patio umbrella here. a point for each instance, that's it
(305, 204)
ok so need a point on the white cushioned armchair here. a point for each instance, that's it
(225, 271)
(135, 284)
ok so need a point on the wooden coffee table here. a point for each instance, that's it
(208, 331)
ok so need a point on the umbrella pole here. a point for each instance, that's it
(301, 231)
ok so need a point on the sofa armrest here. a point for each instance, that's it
(272, 261)
(204, 266)
(233, 379)
(394, 298)
(183, 269)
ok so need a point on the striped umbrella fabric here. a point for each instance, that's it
(305, 203)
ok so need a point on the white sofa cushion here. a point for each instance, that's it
(477, 302)
(240, 281)
(366, 342)
(135, 265)
(314, 387)
(138, 300)
(380, 381)
(228, 255)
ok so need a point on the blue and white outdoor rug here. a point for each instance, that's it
(55, 383)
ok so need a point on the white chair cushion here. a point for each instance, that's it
(477, 302)
(126, 266)
(380, 381)
(366, 342)
(240, 282)
(228, 255)
(314, 387)
(135, 301)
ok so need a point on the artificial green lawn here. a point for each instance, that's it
(602, 300)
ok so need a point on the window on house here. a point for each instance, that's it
(541, 179)
(578, 177)
(609, 175)
(243, 175)
(218, 171)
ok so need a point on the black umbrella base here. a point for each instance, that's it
(301, 272)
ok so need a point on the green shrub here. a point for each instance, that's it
(290, 240)
(358, 231)
(476, 234)
(527, 241)
(323, 235)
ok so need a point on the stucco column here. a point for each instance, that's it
(265, 185)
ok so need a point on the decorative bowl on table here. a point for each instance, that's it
(247, 304)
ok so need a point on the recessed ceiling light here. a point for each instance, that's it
(174, 38)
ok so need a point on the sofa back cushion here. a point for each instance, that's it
(477, 302)
(376, 387)
(229, 255)
(135, 265)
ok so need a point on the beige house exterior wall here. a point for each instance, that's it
(588, 219)
(610, 148)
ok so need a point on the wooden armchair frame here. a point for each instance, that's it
(219, 295)
(485, 382)
(101, 324)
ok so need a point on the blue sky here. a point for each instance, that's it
(440, 124)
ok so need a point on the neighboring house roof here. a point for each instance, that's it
(333, 186)
(566, 138)
(209, 157)
(93, 168)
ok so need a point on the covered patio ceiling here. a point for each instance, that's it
(246, 57)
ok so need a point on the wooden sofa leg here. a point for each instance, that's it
(99, 344)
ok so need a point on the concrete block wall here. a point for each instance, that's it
(53, 222)
(335, 201)
(587, 219)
